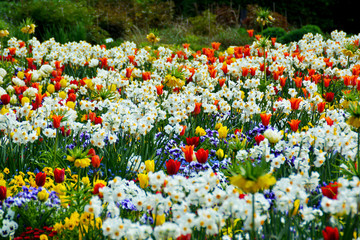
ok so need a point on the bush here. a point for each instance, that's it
(297, 34)
(204, 24)
(273, 32)
(232, 37)
(65, 20)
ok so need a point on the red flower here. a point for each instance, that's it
(97, 188)
(222, 81)
(159, 89)
(40, 179)
(56, 121)
(197, 109)
(259, 138)
(329, 97)
(202, 155)
(172, 167)
(184, 237)
(183, 131)
(146, 76)
(265, 118)
(95, 161)
(330, 233)
(2, 193)
(251, 32)
(129, 72)
(321, 107)
(294, 124)
(5, 99)
(91, 152)
(330, 191)
(329, 121)
(194, 141)
(59, 175)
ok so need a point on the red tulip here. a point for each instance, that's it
(202, 155)
(172, 167)
(330, 233)
(40, 179)
(59, 175)
(91, 152)
(97, 188)
(159, 89)
(330, 191)
(197, 109)
(193, 141)
(95, 161)
(2, 193)
(329, 96)
(259, 138)
(5, 98)
(321, 106)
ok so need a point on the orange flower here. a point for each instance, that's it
(197, 109)
(189, 152)
(244, 71)
(294, 124)
(327, 82)
(224, 68)
(321, 107)
(186, 45)
(298, 81)
(283, 81)
(221, 81)
(215, 45)
(265, 118)
(251, 32)
(295, 102)
(56, 121)
(159, 89)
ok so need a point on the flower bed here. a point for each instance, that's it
(259, 141)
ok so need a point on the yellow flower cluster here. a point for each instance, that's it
(4, 33)
(249, 186)
(28, 29)
(173, 82)
(152, 38)
(82, 222)
(79, 162)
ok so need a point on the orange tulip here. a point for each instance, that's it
(56, 121)
(294, 124)
(189, 153)
(265, 118)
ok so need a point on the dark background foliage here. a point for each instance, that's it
(177, 21)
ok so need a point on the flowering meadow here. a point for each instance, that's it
(256, 142)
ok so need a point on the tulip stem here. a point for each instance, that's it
(358, 152)
(253, 217)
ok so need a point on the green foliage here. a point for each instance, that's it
(64, 20)
(204, 24)
(297, 34)
(273, 32)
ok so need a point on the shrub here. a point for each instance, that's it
(204, 24)
(273, 32)
(297, 34)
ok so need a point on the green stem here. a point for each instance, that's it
(358, 152)
(253, 217)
